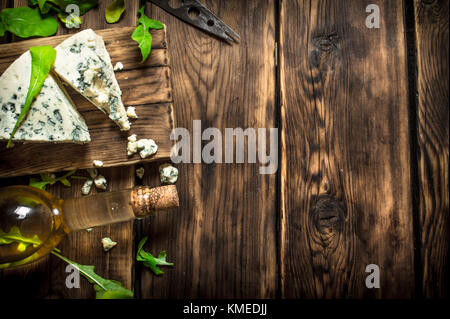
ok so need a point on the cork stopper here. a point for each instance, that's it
(145, 200)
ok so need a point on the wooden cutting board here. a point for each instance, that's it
(146, 86)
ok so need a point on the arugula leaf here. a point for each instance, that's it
(59, 6)
(149, 260)
(26, 22)
(47, 178)
(42, 59)
(2, 27)
(142, 35)
(104, 288)
(114, 11)
(14, 236)
(74, 19)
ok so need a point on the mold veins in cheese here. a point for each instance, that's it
(83, 62)
(52, 116)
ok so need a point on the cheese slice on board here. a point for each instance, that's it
(52, 116)
(83, 62)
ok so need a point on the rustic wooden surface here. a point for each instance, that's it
(432, 133)
(363, 174)
(225, 229)
(346, 190)
(147, 86)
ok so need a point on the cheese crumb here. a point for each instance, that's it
(100, 182)
(98, 163)
(86, 189)
(140, 172)
(132, 145)
(146, 147)
(118, 66)
(131, 112)
(108, 243)
(125, 124)
(168, 174)
(88, 230)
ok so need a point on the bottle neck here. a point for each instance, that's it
(113, 207)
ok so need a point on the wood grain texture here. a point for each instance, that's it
(222, 238)
(433, 140)
(146, 86)
(46, 278)
(345, 172)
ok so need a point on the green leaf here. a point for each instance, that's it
(14, 236)
(114, 11)
(26, 22)
(104, 288)
(42, 59)
(47, 179)
(142, 35)
(59, 6)
(74, 20)
(2, 28)
(149, 260)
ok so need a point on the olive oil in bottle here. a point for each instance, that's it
(33, 222)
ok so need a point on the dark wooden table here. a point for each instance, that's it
(363, 165)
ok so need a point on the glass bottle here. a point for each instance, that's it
(33, 222)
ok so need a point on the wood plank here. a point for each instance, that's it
(222, 239)
(433, 138)
(141, 85)
(116, 40)
(345, 162)
(45, 278)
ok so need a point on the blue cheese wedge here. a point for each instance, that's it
(83, 62)
(52, 116)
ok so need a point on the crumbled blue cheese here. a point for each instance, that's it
(108, 243)
(52, 116)
(97, 163)
(146, 147)
(168, 174)
(132, 145)
(83, 62)
(86, 189)
(100, 182)
(131, 112)
(118, 66)
(93, 172)
(140, 172)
